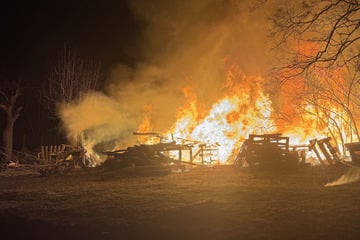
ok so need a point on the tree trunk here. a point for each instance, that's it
(8, 138)
(12, 113)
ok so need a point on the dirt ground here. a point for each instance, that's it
(201, 203)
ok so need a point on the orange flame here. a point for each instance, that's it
(244, 109)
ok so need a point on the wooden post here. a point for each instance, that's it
(323, 149)
(287, 143)
(202, 155)
(46, 154)
(333, 150)
(312, 146)
(42, 154)
(191, 155)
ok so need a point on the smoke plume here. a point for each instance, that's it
(189, 45)
(185, 44)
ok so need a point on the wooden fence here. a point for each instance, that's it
(49, 154)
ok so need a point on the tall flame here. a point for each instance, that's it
(244, 109)
(227, 124)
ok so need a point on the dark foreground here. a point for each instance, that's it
(204, 203)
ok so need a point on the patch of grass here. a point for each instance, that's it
(204, 203)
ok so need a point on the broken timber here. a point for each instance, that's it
(354, 149)
(325, 147)
(60, 159)
(145, 155)
(266, 150)
(162, 152)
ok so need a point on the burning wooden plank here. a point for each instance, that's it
(271, 150)
(147, 133)
(327, 149)
(313, 147)
(354, 149)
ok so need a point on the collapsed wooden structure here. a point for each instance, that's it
(267, 150)
(144, 155)
(325, 151)
(274, 150)
(164, 152)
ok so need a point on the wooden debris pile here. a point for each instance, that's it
(326, 152)
(354, 149)
(267, 150)
(200, 153)
(274, 150)
(60, 159)
(144, 155)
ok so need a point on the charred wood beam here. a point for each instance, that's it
(312, 146)
(147, 133)
(321, 144)
(333, 149)
(354, 149)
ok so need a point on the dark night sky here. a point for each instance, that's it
(32, 34)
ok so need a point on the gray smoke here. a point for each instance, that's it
(351, 176)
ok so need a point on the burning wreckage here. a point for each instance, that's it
(274, 150)
(162, 153)
(269, 151)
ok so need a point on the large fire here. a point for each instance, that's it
(244, 109)
(302, 109)
(214, 46)
(227, 123)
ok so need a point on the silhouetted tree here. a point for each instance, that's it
(330, 29)
(321, 40)
(71, 78)
(12, 109)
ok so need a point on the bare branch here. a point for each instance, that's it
(4, 95)
(332, 25)
(322, 39)
(71, 78)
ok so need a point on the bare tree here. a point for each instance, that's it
(330, 29)
(71, 77)
(322, 39)
(335, 103)
(12, 109)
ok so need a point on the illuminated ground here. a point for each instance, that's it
(208, 203)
